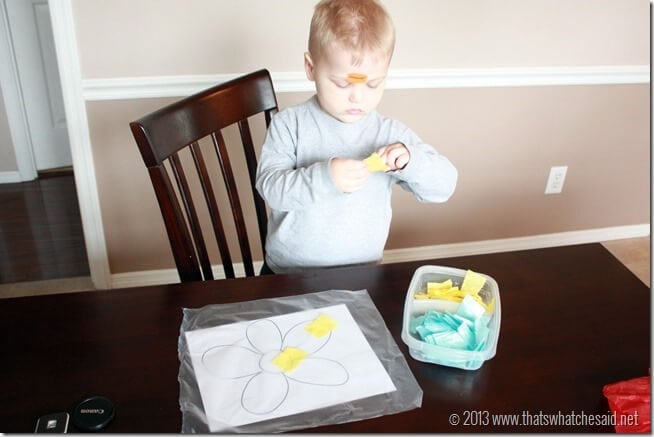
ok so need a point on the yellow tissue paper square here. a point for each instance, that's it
(439, 285)
(471, 286)
(472, 282)
(289, 358)
(375, 163)
(321, 326)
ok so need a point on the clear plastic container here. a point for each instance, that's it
(422, 351)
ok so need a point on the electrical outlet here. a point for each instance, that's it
(556, 179)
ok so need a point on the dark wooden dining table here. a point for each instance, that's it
(573, 320)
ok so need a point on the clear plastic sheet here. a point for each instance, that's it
(407, 396)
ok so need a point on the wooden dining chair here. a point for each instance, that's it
(195, 126)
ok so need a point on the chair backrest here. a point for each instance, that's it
(162, 136)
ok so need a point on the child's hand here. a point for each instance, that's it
(349, 175)
(395, 155)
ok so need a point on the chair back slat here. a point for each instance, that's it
(193, 220)
(180, 240)
(268, 116)
(214, 215)
(232, 192)
(179, 130)
(251, 159)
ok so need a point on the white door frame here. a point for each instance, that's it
(63, 27)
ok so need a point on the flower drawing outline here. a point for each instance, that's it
(268, 385)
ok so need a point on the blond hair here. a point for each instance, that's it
(358, 26)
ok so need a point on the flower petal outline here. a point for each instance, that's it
(320, 371)
(297, 336)
(264, 335)
(264, 393)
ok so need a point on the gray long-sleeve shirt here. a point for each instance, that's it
(312, 223)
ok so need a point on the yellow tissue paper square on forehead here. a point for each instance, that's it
(472, 282)
(375, 163)
(321, 326)
(289, 358)
(356, 78)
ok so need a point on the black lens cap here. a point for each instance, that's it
(93, 414)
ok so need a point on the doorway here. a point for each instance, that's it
(42, 236)
(31, 41)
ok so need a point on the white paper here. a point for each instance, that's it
(239, 384)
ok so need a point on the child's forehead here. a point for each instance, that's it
(344, 62)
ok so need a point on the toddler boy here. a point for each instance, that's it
(327, 207)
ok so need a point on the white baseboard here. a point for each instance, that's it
(519, 243)
(169, 276)
(9, 177)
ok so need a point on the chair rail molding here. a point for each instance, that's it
(125, 88)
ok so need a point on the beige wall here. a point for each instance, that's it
(171, 37)
(503, 140)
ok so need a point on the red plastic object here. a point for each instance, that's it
(630, 402)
